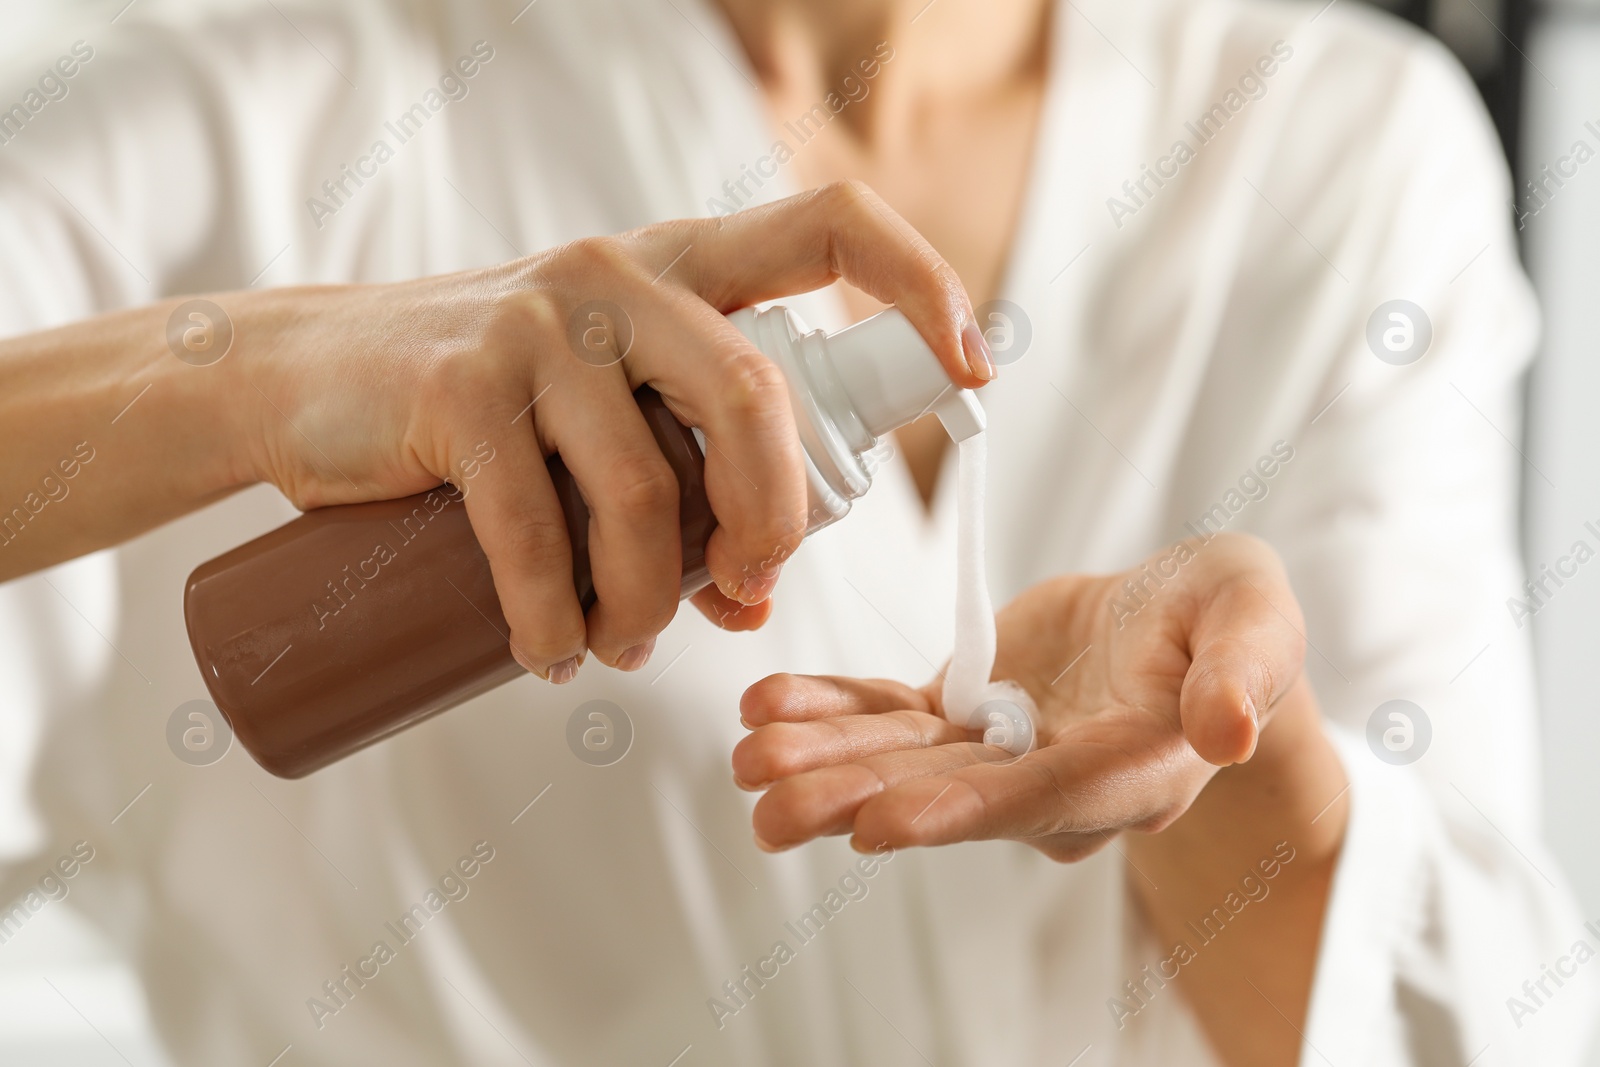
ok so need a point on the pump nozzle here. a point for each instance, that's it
(892, 377)
(960, 414)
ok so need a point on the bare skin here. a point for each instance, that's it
(338, 394)
(1131, 740)
(951, 120)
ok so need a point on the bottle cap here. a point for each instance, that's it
(892, 378)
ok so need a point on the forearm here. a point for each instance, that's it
(1248, 972)
(105, 433)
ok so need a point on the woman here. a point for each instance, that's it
(1197, 360)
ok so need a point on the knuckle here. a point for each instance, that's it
(453, 377)
(669, 237)
(848, 194)
(535, 538)
(642, 487)
(849, 205)
(519, 317)
(462, 379)
(1207, 676)
(754, 396)
(598, 256)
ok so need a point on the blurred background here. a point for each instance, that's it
(1537, 65)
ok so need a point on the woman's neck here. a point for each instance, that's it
(942, 126)
(944, 51)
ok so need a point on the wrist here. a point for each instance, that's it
(1255, 855)
(1295, 783)
(202, 388)
(1293, 789)
(269, 387)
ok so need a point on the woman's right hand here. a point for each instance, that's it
(354, 393)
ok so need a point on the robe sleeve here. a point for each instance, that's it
(1450, 936)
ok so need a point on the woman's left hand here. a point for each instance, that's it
(1148, 684)
(1144, 691)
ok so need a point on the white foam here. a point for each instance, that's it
(1003, 710)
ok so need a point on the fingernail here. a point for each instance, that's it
(565, 671)
(976, 349)
(767, 847)
(636, 657)
(758, 587)
(748, 788)
(1255, 734)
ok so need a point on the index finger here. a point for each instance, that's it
(804, 698)
(843, 230)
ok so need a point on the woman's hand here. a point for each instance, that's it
(339, 394)
(1149, 685)
(384, 391)
(1146, 683)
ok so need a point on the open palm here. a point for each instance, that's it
(1143, 692)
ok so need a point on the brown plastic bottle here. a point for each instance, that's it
(353, 622)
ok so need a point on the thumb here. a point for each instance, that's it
(1246, 650)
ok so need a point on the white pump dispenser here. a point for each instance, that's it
(892, 378)
(850, 388)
